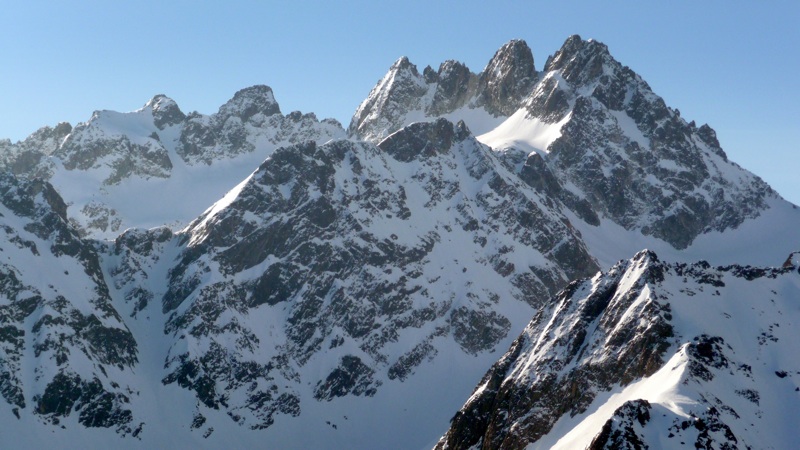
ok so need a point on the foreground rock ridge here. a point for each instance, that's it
(252, 278)
(695, 355)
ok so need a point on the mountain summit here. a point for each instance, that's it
(509, 77)
(586, 130)
(453, 92)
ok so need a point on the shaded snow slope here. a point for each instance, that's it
(65, 349)
(761, 241)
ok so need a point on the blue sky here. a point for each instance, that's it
(734, 64)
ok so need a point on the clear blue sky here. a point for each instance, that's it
(732, 64)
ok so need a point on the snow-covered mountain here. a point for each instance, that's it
(277, 284)
(587, 131)
(157, 165)
(650, 354)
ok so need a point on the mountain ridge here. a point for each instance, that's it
(557, 370)
(161, 152)
(592, 133)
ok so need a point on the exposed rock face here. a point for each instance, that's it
(623, 431)
(353, 245)
(507, 79)
(251, 114)
(248, 102)
(92, 147)
(133, 259)
(29, 157)
(569, 352)
(638, 324)
(166, 112)
(385, 109)
(352, 377)
(633, 158)
(454, 85)
(63, 345)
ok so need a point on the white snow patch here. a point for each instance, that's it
(629, 128)
(663, 388)
(525, 133)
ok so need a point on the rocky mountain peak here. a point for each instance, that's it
(623, 147)
(47, 139)
(404, 96)
(106, 142)
(454, 85)
(430, 75)
(114, 146)
(385, 109)
(709, 137)
(404, 64)
(62, 129)
(507, 79)
(29, 157)
(580, 60)
(607, 134)
(449, 68)
(160, 101)
(165, 111)
(403, 79)
(248, 102)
